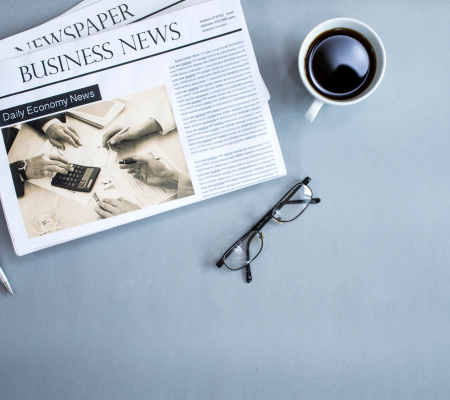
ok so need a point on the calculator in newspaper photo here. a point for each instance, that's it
(82, 179)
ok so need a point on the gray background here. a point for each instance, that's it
(349, 302)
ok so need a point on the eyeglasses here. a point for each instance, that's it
(249, 246)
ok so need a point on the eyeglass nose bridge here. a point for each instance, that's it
(281, 223)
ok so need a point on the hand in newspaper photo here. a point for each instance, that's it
(114, 137)
(59, 132)
(149, 170)
(46, 165)
(110, 208)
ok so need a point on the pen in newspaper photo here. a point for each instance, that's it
(126, 162)
(4, 281)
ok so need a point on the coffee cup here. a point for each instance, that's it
(322, 30)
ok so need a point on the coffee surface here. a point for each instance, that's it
(340, 64)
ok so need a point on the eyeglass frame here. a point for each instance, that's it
(262, 223)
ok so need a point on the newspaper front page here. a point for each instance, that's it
(154, 116)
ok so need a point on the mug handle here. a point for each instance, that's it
(313, 110)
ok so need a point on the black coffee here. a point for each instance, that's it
(340, 64)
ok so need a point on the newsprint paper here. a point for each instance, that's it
(117, 127)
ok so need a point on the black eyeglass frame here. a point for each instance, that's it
(263, 222)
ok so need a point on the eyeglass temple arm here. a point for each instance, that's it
(312, 201)
(247, 267)
(249, 273)
(306, 182)
(289, 201)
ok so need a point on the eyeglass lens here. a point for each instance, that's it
(245, 251)
(293, 204)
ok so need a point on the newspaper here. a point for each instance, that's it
(197, 100)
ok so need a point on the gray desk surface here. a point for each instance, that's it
(349, 302)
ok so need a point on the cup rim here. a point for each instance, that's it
(305, 45)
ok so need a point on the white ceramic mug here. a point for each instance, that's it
(359, 27)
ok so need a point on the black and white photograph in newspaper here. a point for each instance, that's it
(98, 161)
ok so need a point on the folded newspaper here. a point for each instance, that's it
(158, 114)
